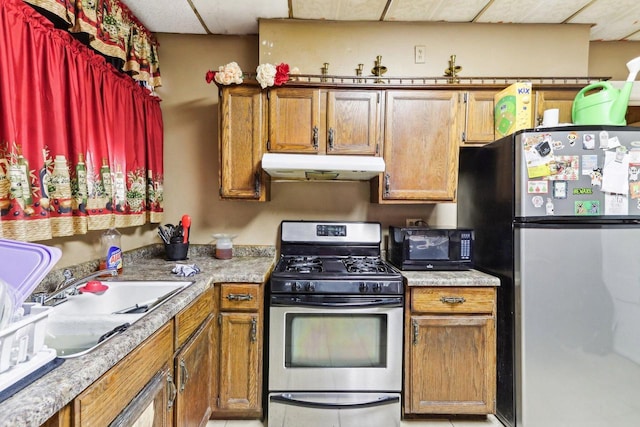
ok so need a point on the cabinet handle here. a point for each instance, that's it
(254, 330)
(331, 133)
(452, 300)
(315, 137)
(239, 297)
(256, 183)
(415, 331)
(171, 392)
(185, 375)
(387, 184)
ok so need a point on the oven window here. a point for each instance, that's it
(336, 340)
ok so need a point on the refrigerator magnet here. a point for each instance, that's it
(572, 137)
(588, 141)
(537, 187)
(559, 189)
(537, 201)
(549, 206)
(587, 207)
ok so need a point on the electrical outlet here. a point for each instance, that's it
(420, 54)
(412, 222)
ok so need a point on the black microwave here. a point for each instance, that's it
(423, 248)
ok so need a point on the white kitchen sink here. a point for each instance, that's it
(83, 322)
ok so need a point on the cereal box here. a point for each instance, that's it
(513, 109)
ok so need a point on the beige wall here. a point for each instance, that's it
(190, 122)
(481, 49)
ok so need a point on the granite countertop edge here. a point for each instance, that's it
(450, 278)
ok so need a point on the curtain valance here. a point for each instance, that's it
(80, 142)
(113, 31)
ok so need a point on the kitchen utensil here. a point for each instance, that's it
(608, 106)
(186, 224)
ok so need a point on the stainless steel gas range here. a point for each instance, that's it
(335, 328)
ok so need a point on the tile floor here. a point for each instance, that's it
(489, 422)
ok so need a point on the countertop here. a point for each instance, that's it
(450, 278)
(39, 401)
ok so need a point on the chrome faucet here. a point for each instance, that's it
(69, 286)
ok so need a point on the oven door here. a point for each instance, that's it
(334, 409)
(335, 343)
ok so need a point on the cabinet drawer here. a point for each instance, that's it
(453, 300)
(240, 296)
(191, 317)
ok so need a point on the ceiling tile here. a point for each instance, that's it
(166, 16)
(614, 20)
(434, 10)
(531, 11)
(334, 10)
(239, 16)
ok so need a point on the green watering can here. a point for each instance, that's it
(608, 106)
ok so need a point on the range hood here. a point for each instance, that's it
(320, 167)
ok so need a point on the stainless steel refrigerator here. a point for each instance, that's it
(556, 214)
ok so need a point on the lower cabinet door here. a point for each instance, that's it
(152, 406)
(452, 365)
(240, 364)
(193, 371)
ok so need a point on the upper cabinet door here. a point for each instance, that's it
(479, 127)
(562, 99)
(294, 120)
(353, 122)
(241, 143)
(420, 146)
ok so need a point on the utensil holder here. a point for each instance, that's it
(176, 251)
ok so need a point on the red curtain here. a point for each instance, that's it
(80, 143)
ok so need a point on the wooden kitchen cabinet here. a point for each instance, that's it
(238, 360)
(562, 99)
(479, 111)
(450, 354)
(193, 363)
(242, 132)
(324, 121)
(108, 396)
(421, 147)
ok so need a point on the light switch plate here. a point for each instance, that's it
(420, 54)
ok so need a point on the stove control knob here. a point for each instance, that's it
(310, 287)
(363, 288)
(377, 287)
(296, 286)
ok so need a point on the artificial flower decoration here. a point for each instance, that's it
(271, 75)
(226, 74)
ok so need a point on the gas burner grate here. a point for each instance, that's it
(365, 265)
(303, 264)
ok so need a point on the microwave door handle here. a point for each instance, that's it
(287, 400)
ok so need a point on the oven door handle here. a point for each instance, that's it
(286, 400)
(336, 302)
